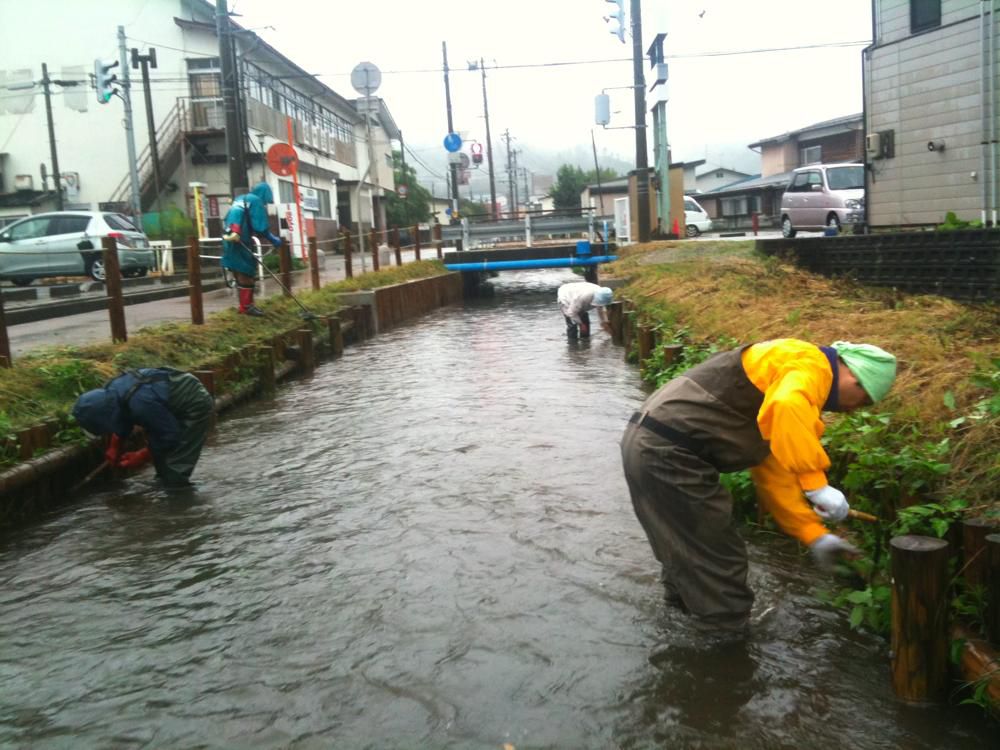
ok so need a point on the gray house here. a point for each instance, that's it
(931, 112)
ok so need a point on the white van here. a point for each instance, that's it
(696, 219)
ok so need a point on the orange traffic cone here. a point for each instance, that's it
(676, 229)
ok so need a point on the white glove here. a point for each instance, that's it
(828, 548)
(830, 503)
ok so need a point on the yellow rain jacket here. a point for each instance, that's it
(795, 378)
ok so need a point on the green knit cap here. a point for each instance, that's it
(874, 368)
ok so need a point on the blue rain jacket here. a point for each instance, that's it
(105, 410)
(249, 213)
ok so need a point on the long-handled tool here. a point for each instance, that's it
(90, 477)
(307, 314)
(860, 515)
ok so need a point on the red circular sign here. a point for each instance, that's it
(477, 148)
(282, 159)
(402, 190)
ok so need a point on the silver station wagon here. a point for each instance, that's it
(68, 243)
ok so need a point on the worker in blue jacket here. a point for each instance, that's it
(172, 408)
(247, 217)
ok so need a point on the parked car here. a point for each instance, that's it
(696, 219)
(823, 195)
(68, 243)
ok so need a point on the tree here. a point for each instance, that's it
(570, 182)
(416, 206)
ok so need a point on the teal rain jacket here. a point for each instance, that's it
(248, 216)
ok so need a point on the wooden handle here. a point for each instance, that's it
(862, 516)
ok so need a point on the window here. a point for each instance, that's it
(286, 192)
(690, 206)
(29, 229)
(69, 224)
(734, 206)
(810, 155)
(846, 178)
(800, 183)
(924, 14)
(119, 222)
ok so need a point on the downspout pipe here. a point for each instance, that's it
(984, 137)
(991, 81)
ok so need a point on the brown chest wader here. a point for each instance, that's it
(694, 427)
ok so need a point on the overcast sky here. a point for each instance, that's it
(714, 99)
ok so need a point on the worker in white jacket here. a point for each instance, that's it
(576, 299)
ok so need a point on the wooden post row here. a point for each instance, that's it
(348, 270)
(194, 281)
(416, 241)
(5, 358)
(396, 247)
(314, 262)
(285, 266)
(113, 283)
(373, 241)
(993, 588)
(437, 241)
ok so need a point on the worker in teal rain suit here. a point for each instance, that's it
(247, 217)
(172, 408)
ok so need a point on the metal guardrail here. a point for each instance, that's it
(523, 229)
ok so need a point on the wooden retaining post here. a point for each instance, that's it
(646, 342)
(265, 364)
(993, 587)
(336, 336)
(438, 243)
(348, 270)
(194, 281)
(615, 314)
(285, 266)
(207, 379)
(314, 262)
(974, 562)
(113, 282)
(920, 618)
(5, 358)
(628, 331)
(304, 339)
(373, 242)
(396, 247)
(416, 241)
(671, 353)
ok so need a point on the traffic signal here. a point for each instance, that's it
(104, 80)
(477, 153)
(619, 16)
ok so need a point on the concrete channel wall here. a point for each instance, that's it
(40, 484)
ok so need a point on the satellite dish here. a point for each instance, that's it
(366, 78)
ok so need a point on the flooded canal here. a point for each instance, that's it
(428, 544)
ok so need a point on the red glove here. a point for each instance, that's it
(113, 450)
(135, 459)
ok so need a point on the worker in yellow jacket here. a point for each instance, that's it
(755, 407)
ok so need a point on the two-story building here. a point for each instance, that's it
(277, 101)
(931, 100)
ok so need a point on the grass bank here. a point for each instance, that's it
(922, 460)
(43, 385)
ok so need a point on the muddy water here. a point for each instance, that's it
(427, 544)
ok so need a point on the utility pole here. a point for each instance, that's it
(513, 176)
(511, 207)
(52, 137)
(145, 62)
(451, 129)
(126, 94)
(641, 157)
(234, 149)
(489, 144)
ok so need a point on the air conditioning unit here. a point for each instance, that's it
(873, 145)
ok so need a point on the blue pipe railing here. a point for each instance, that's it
(513, 265)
